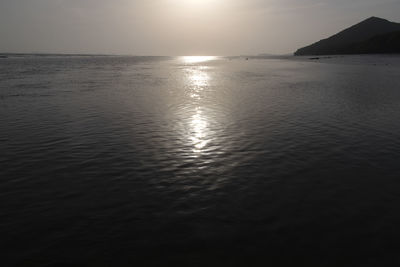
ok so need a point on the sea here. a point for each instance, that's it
(199, 161)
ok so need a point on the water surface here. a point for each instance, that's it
(113, 161)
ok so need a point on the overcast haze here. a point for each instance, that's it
(178, 27)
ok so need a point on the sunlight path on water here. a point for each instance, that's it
(197, 80)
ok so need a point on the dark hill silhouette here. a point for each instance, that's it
(374, 35)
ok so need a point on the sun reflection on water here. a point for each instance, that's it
(199, 127)
(197, 59)
(197, 80)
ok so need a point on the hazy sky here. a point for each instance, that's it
(178, 27)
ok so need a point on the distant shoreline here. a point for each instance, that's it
(249, 57)
(371, 36)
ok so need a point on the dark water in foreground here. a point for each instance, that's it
(114, 161)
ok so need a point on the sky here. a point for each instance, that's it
(179, 27)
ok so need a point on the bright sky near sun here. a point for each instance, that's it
(179, 27)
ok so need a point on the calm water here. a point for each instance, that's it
(111, 161)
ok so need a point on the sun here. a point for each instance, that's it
(199, 3)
